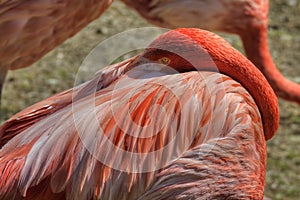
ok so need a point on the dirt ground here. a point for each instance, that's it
(57, 71)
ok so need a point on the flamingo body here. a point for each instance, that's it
(143, 130)
(60, 158)
(232, 16)
(30, 29)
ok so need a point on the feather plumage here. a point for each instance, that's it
(143, 133)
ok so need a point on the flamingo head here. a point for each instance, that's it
(190, 49)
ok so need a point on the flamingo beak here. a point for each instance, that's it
(139, 60)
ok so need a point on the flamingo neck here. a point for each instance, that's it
(257, 50)
(233, 64)
(204, 51)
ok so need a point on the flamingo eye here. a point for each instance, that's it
(164, 60)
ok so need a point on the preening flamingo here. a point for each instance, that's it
(163, 125)
(30, 29)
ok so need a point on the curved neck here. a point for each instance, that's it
(255, 43)
(204, 50)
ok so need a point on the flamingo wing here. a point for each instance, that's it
(222, 168)
(41, 110)
(120, 141)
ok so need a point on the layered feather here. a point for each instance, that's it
(120, 141)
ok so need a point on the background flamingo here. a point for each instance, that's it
(248, 19)
(55, 21)
(30, 29)
(41, 157)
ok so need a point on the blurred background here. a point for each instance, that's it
(57, 70)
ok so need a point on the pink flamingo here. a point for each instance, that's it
(207, 129)
(30, 29)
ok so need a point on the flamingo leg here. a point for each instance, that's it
(3, 72)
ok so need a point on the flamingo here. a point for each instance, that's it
(182, 120)
(30, 29)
